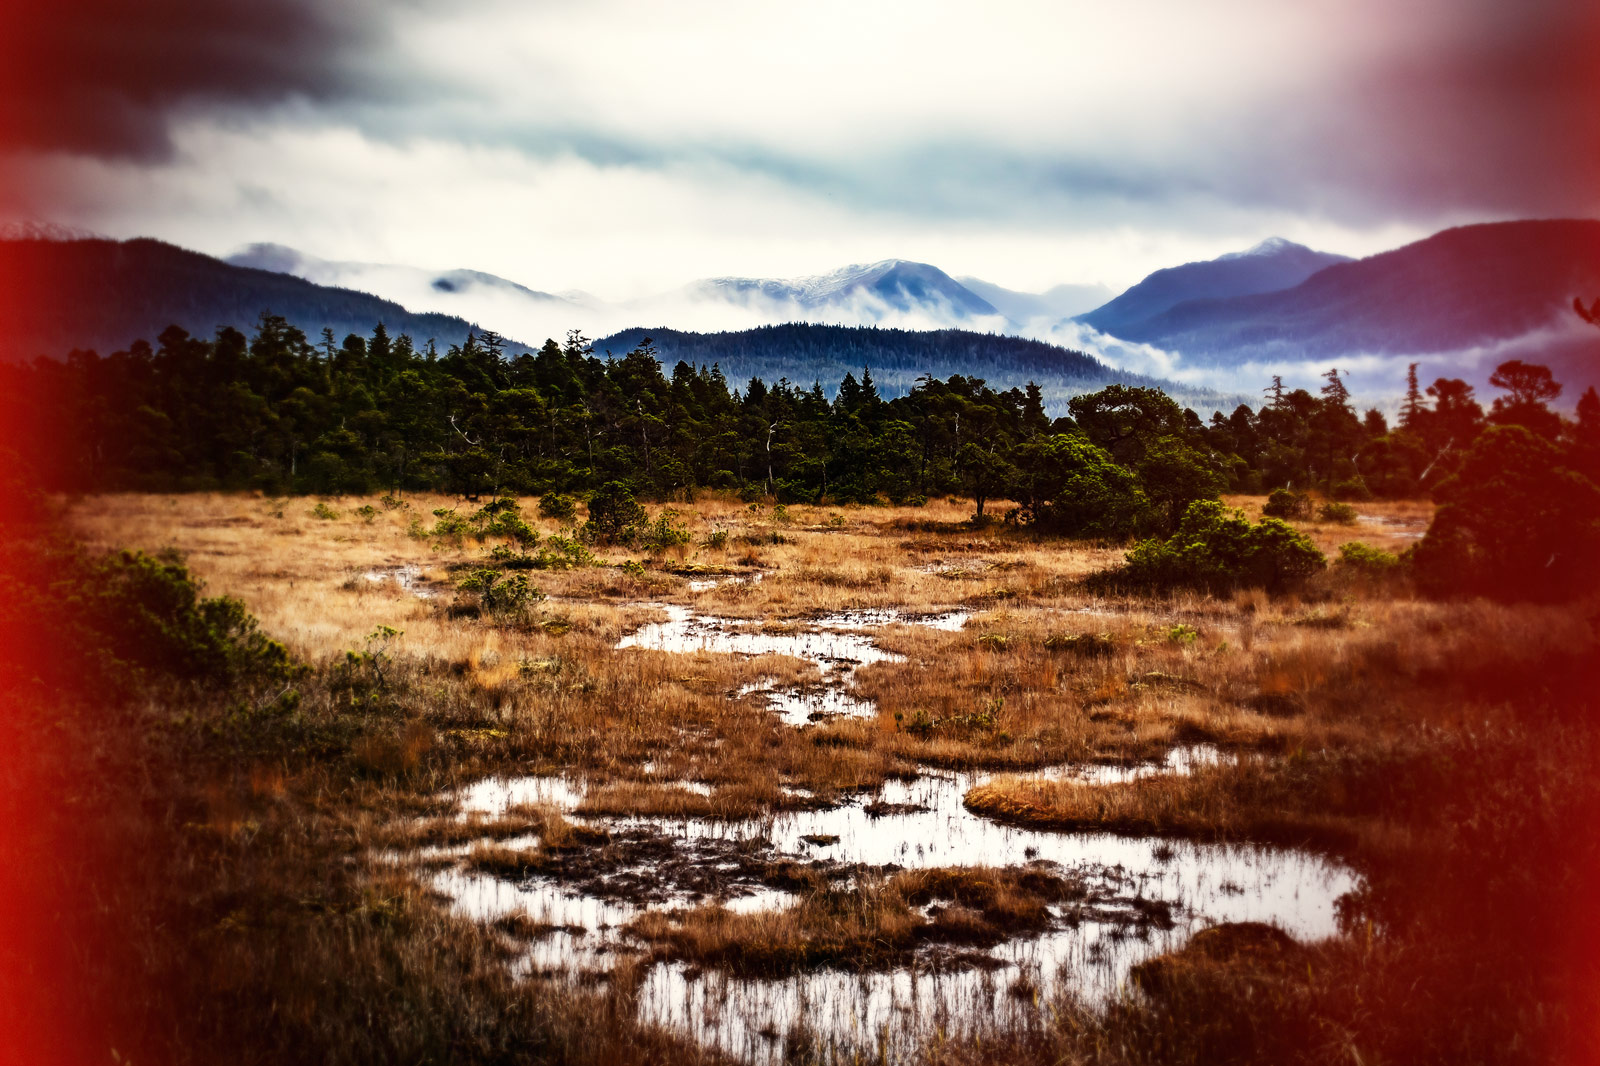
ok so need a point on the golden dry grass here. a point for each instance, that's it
(1008, 691)
(1334, 700)
(872, 923)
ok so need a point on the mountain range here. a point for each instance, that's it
(1457, 302)
(1472, 286)
(1272, 265)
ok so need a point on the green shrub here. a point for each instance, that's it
(324, 512)
(1367, 559)
(499, 593)
(614, 515)
(563, 551)
(504, 518)
(1340, 513)
(1219, 549)
(392, 502)
(665, 533)
(1286, 503)
(717, 538)
(132, 613)
(367, 513)
(633, 568)
(511, 559)
(450, 526)
(558, 506)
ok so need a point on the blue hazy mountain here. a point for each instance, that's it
(1272, 265)
(1468, 288)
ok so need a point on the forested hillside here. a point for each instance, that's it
(806, 353)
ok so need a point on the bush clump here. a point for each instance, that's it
(1515, 522)
(614, 515)
(503, 518)
(1339, 513)
(558, 506)
(1286, 503)
(665, 533)
(500, 593)
(1366, 559)
(1074, 488)
(1219, 549)
(564, 551)
(132, 614)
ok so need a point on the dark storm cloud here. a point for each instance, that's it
(103, 77)
(1212, 122)
(1499, 114)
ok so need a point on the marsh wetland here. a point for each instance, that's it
(828, 784)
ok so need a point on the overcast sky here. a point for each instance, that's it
(627, 147)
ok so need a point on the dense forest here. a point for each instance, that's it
(279, 413)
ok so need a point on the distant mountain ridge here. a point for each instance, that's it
(1485, 286)
(1271, 265)
(1459, 302)
(105, 294)
(805, 352)
(895, 284)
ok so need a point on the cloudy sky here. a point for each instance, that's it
(624, 147)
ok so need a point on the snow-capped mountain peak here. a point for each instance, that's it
(1270, 246)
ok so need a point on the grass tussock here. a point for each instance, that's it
(1295, 803)
(870, 923)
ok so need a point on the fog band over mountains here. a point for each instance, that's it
(1456, 303)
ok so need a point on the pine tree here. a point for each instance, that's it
(1334, 392)
(1275, 390)
(1411, 409)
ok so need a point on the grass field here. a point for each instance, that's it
(278, 891)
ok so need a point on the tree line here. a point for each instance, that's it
(277, 412)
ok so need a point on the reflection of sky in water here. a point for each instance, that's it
(1204, 884)
(408, 577)
(894, 1012)
(831, 642)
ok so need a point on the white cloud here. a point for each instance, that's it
(560, 222)
(627, 147)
